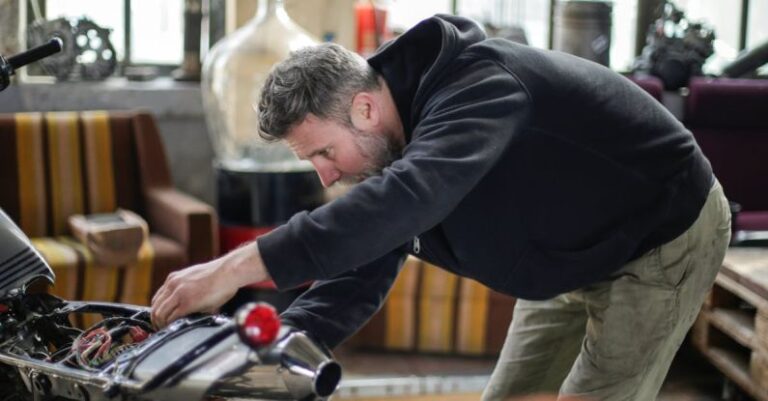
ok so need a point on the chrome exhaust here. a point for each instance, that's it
(295, 368)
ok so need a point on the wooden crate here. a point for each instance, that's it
(732, 328)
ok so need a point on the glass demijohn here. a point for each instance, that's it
(233, 73)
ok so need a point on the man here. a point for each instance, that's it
(539, 174)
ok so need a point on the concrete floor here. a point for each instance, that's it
(374, 376)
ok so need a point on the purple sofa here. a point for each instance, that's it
(729, 118)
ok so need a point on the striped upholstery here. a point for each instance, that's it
(54, 165)
(431, 310)
(78, 277)
(437, 309)
(401, 312)
(472, 313)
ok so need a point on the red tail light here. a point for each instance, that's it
(257, 324)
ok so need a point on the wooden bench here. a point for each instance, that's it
(732, 328)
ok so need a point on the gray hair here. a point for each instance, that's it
(321, 80)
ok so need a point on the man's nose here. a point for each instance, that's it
(327, 173)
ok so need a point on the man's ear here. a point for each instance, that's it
(365, 112)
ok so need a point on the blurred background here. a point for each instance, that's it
(196, 67)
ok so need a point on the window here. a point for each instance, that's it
(143, 32)
(757, 30)
(157, 33)
(623, 33)
(404, 14)
(725, 18)
(106, 14)
(531, 15)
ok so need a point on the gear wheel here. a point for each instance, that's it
(61, 64)
(96, 55)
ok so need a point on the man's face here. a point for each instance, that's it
(340, 153)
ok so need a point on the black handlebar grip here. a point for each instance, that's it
(53, 46)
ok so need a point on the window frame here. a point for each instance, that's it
(216, 27)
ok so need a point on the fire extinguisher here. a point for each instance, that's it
(371, 26)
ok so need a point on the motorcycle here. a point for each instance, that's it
(45, 355)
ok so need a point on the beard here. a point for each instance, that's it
(380, 151)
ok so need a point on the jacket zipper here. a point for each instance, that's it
(416, 245)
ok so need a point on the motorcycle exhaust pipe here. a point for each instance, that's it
(307, 370)
(292, 364)
(294, 368)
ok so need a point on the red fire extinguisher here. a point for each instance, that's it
(371, 26)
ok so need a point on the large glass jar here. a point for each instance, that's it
(259, 185)
(233, 73)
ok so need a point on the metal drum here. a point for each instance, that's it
(583, 28)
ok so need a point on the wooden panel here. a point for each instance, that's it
(747, 267)
(761, 331)
(719, 297)
(472, 317)
(758, 370)
(738, 324)
(732, 328)
(394, 326)
(437, 309)
(736, 369)
(400, 309)
(700, 331)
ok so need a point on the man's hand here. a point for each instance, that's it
(207, 286)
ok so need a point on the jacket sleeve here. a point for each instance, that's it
(332, 310)
(465, 126)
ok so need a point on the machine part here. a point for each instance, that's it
(44, 357)
(257, 324)
(6, 70)
(60, 65)
(676, 48)
(87, 52)
(9, 66)
(105, 341)
(96, 55)
(747, 62)
(19, 262)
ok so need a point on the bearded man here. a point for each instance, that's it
(539, 174)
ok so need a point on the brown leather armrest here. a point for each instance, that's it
(184, 219)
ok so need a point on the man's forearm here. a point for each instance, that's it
(246, 265)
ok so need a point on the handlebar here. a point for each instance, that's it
(10, 65)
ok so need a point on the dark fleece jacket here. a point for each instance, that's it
(531, 171)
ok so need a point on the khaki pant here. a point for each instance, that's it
(615, 340)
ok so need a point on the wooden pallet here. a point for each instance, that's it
(732, 328)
